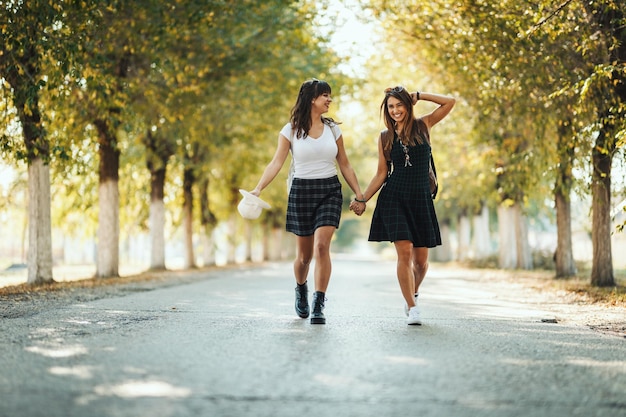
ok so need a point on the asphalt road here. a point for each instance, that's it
(231, 345)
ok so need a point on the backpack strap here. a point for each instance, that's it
(332, 129)
(386, 137)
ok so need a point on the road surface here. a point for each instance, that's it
(230, 344)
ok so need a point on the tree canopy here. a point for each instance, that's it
(201, 88)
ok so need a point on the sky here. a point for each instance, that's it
(354, 38)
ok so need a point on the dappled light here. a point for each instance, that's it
(61, 351)
(138, 389)
(407, 360)
(80, 372)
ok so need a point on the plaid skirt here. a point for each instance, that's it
(312, 204)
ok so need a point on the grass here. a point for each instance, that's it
(581, 285)
(82, 283)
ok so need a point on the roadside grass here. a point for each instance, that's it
(579, 287)
(25, 289)
(145, 277)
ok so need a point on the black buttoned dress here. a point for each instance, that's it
(405, 209)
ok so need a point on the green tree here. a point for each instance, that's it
(179, 48)
(526, 67)
(35, 56)
(606, 86)
(247, 105)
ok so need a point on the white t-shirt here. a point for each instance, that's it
(314, 158)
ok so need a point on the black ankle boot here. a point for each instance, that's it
(317, 316)
(302, 300)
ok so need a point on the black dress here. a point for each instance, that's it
(405, 209)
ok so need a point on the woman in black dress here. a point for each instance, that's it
(405, 213)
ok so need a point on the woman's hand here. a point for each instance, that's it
(357, 207)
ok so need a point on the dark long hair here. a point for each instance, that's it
(412, 130)
(301, 111)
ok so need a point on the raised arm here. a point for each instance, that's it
(446, 103)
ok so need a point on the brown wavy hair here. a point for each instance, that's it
(412, 131)
(301, 111)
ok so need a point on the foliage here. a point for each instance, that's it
(525, 68)
(206, 78)
(213, 82)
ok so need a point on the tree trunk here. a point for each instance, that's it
(188, 180)
(481, 239)
(158, 152)
(564, 256)
(248, 230)
(444, 252)
(609, 19)
(267, 241)
(24, 82)
(107, 263)
(208, 221)
(39, 229)
(524, 253)
(157, 219)
(465, 238)
(23, 247)
(275, 236)
(289, 245)
(231, 239)
(208, 245)
(507, 245)
(602, 263)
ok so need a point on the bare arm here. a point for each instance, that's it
(273, 168)
(446, 103)
(346, 169)
(381, 174)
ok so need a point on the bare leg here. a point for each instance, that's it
(404, 270)
(321, 253)
(420, 266)
(304, 253)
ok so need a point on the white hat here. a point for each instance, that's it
(251, 206)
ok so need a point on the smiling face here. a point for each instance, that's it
(397, 110)
(321, 103)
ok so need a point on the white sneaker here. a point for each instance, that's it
(406, 306)
(414, 316)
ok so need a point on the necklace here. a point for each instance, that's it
(407, 158)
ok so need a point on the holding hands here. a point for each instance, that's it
(358, 207)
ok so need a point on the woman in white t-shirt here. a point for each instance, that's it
(315, 199)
